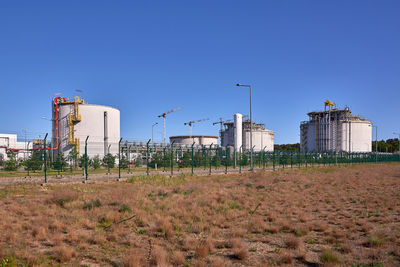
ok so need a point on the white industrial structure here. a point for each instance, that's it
(74, 120)
(9, 142)
(237, 134)
(202, 140)
(335, 130)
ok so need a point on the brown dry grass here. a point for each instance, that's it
(337, 215)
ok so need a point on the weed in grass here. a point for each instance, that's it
(125, 208)
(178, 258)
(329, 256)
(375, 240)
(105, 222)
(285, 258)
(292, 242)
(62, 197)
(91, 204)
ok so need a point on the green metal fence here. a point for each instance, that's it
(145, 158)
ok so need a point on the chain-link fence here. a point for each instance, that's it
(99, 160)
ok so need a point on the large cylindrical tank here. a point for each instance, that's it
(100, 123)
(205, 140)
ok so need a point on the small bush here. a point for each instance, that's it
(61, 197)
(202, 250)
(91, 204)
(125, 208)
(240, 253)
(292, 242)
(376, 240)
(178, 258)
(105, 222)
(329, 256)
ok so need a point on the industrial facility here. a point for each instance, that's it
(335, 130)
(237, 135)
(202, 140)
(74, 120)
(9, 142)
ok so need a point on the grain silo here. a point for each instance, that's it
(335, 130)
(74, 120)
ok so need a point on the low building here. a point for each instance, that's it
(9, 142)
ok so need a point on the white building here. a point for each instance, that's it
(237, 134)
(9, 142)
(335, 130)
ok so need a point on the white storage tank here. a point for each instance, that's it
(77, 119)
(205, 140)
(237, 134)
(335, 130)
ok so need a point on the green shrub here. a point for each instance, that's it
(329, 256)
(91, 204)
(376, 240)
(125, 208)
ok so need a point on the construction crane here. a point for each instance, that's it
(330, 104)
(190, 123)
(221, 122)
(165, 114)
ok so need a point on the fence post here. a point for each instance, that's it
(172, 158)
(263, 158)
(273, 160)
(119, 158)
(226, 160)
(129, 159)
(45, 159)
(58, 164)
(28, 163)
(164, 159)
(240, 159)
(305, 158)
(209, 158)
(108, 159)
(193, 156)
(147, 157)
(86, 160)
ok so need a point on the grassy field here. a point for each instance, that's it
(333, 216)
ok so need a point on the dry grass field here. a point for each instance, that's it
(346, 216)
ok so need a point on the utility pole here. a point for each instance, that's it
(251, 127)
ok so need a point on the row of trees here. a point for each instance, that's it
(199, 160)
(390, 145)
(60, 162)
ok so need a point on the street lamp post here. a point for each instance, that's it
(152, 136)
(251, 127)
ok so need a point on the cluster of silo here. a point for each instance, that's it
(335, 130)
(237, 134)
(74, 120)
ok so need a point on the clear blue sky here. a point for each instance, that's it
(146, 57)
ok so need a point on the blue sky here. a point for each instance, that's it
(146, 57)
